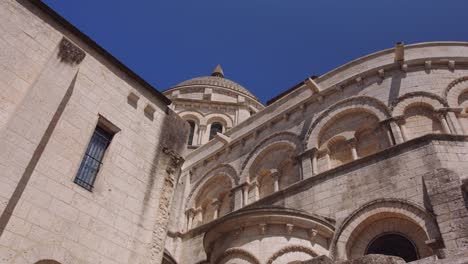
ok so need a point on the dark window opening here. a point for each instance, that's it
(393, 245)
(215, 129)
(92, 159)
(191, 133)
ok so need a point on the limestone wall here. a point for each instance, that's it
(56, 86)
(356, 111)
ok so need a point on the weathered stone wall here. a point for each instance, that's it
(56, 87)
(424, 95)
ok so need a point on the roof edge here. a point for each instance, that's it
(364, 58)
(92, 44)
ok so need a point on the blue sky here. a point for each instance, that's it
(265, 45)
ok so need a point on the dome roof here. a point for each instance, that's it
(216, 79)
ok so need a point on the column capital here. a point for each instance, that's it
(274, 173)
(245, 186)
(325, 151)
(351, 142)
(216, 203)
(190, 212)
(309, 153)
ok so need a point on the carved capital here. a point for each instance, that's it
(312, 234)
(70, 53)
(289, 228)
(176, 159)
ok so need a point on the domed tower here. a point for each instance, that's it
(211, 105)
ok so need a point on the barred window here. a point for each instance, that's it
(92, 159)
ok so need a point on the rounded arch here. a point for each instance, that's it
(414, 220)
(286, 138)
(424, 98)
(236, 253)
(46, 253)
(359, 103)
(453, 91)
(290, 249)
(223, 169)
(192, 115)
(224, 119)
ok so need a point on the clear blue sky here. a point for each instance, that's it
(265, 45)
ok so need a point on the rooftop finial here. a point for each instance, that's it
(218, 72)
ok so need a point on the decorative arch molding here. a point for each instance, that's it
(401, 103)
(289, 249)
(389, 206)
(454, 90)
(192, 114)
(226, 120)
(358, 103)
(53, 253)
(287, 138)
(220, 170)
(237, 253)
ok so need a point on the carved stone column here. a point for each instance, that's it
(352, 145)
(201, 134)
(395, 130)
(256, 190)
(441, 117)
(216, 206)
(386, 128)
(245, 192)
(326, 153)
(199, 214)
(402, 125)
(237, 194)
(190, 214)
(314, 157)
(275, 175)
(453, 121)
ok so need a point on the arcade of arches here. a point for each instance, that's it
(371, 157)
(360, 163)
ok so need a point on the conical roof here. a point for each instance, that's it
(218, 71)
(216, 79)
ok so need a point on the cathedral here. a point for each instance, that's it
(367, 163)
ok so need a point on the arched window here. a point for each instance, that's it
(192, 132)
(215, 129)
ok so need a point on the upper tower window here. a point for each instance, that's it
(215, 129)
(191, 133)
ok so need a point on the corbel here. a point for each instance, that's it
(132, 99)
(381, 73)
(451, 65)
(428, 65)
(149, 111)
(223, 138)
(312, 85)
(400, 53)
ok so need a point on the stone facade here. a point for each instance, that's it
(56, 86)
(371, 157)
(376, 147)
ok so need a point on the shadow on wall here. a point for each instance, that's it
(24, 180)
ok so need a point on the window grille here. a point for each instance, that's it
(92, 159)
